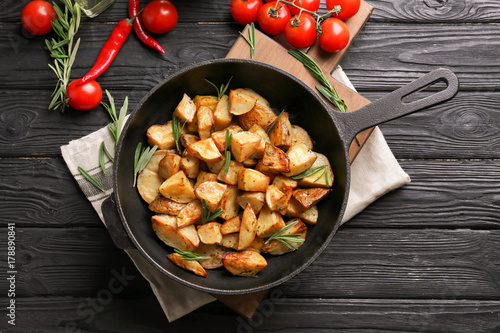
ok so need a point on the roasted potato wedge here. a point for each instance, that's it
(219, 137)
(275, 160)
(261, 114)
(308, 216)
(162, 205)
(178, 188)
(214, 253)
(230, 240)
(240, 103)
(275, 198)
(205, 150)
(229, 203)
(161, 135)
(189, 265)
(185, 110)
(148, 180)
(256, 129)
(205, 100)
(248, 228)
(210, 233)
(275, 247)
(281, 133)
(252, 180)
(166, 229)
(309, 196)
(169, 165)
(204, 176)
(211, 192)
(187, 139)
(301, 159)
(269, 222)
(231, 226)
(190, 165)
(300, 135)
(256, 199)
(189, 214)
(319, 178)
(222, 116)
(205, 122)
(244, 263)
(282, 181)
(244, 144)
(231, 178)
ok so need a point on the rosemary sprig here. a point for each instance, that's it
(274, 122)
(115, 128)
(190, 256)
(286, 239)
(141, 158)
(223, 88)
(91, 179)
(103, 152)
(206, 216)
(63, 50)
(309, 172)
(326, 88)
(227, 151)
(177, 132)
(250, 39)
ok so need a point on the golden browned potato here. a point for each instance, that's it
(275, 160)
(281, 133)
(162, 205)
(228, 202)
(178, 188)
(256, 129)
(190, 165)
(301, 159)
(275, 247)
(309, 196)
(256, 199)
(209, 101)
(231, 226)
(231, 177)
(216, 167)
(256, 245)
(269, 222)
(213, 252)
(252, 180)
(189, 214)
(250, 162)
(161, 135)
(192, 127)
(169, 165)
(204, 176)
(275, 198)
(230, 240)
(205, 150)
(166, 229)
(248, 228)
(294, 208)
(211, 192)
(189, 265)
(300, 135)
(244, 144)
(250, 92)
(282, 182)
(209, 233)
(244, 263)
(222, 116)
(148, 180)
(240, 103)
(187, 139)
(319, 178)
(205, 122)
(309, 216)
(261, 114)
(185, 110)
(219, 137)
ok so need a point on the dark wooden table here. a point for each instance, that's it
(424, 258)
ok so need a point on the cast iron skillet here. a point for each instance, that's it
(331, 130)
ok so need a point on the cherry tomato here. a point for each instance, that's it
(271, 20)
(335, 35)
(245, 11)
(36, 17)
(160, 16)
(312, 5)
(348, 8)
(301, 31)
(84, 97)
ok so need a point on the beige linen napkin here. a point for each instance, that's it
(374, 172)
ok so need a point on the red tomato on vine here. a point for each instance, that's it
(84, 97)
(300, 31)
(349, 8)
(273, 17)
(160, 16)
(245, 11)
(335, 35)
(312, 5)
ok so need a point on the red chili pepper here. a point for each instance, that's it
(141, 32)
(110, 49)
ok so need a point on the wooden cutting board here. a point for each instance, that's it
(274, 52)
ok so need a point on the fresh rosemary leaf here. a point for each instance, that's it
(223, 88)
(91, 179)
(322, 174)
(177, 132)
(250, 39)
(108, 154)
(115, 128)
(286, 239)
(274, 122)
(190, 256)
(141, 159)
(102, 162)
(206, 216)
(327, 90)
(227, 152)
(309, 172)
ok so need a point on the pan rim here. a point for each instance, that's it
(152, 261)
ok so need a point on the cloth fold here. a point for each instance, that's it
(374, 172)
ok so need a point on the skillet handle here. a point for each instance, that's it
(114, 224)
(392, 105)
